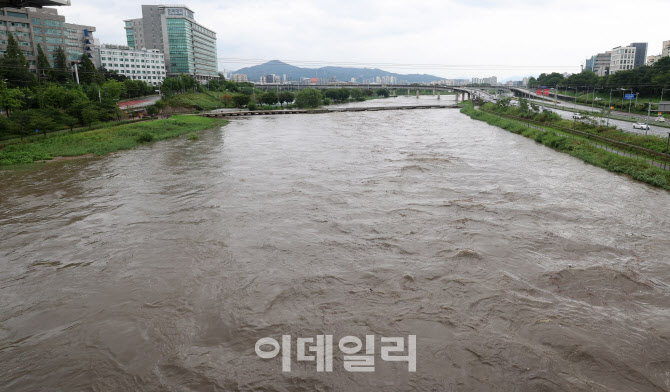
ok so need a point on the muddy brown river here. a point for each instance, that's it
(516, 267)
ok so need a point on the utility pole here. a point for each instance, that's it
(667, 149)
(648, 114)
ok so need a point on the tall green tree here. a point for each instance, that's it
(61, 72)
(88, 74)
(43, 66)
(14, 67)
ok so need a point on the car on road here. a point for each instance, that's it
(547, 110)
(641, 126)
(577, 116)
(660, 119)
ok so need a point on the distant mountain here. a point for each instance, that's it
(342, 74)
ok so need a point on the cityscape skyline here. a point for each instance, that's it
(244, 32)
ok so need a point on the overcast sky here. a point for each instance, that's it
(448, 38)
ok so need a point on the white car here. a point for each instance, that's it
(660, 119)
(641, 126)
(577, 116)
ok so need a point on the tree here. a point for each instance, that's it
(89, 115)
(240, 100)
(152, 110)
(357, 94)
(43, 123)
(22, 121)
(69, 121)
(112, 75)
(382, 92)
(43, 66)
(113, 89)
(269, 98)
(309, 98)
(14, 67)
(10, 98)
(61, 71)
(286, 97)
(343, 94)
(88, 74)
(523, 105)
(332, 93)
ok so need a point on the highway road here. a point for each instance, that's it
(625, 126)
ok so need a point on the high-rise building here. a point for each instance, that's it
(601, 65)
(589, 64)
(666, 49)
(147, 65)
(628, 57)
(189, 47)
(33, 26)
(640, 54)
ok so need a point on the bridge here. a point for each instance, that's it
(461, 92)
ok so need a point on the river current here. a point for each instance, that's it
(516, 267)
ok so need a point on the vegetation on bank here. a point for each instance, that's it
(637, 169)
(593, 124)
(105, 140)
(647, 81)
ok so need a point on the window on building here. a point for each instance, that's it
(17, 15)
(50, 22)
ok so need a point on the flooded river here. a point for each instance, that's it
(518, 268)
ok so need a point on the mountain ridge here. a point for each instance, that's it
(342, 74)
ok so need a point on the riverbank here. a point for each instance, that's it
(106, 140)
(638, 169)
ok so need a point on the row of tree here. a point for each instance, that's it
(646, 80)
(50, 99)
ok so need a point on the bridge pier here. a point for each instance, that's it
(438, 95)
(417, 93)
(433, 92)
(395, 94)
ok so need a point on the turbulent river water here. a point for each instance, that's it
(518, 268)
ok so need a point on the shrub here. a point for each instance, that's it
(193, 136)
(145, 137)
(251, 106)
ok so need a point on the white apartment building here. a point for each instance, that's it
(623, 58)
(239, 78)
(136, 64)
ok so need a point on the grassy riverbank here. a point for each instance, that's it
(208, 100)
(637, 169)
(105, 140)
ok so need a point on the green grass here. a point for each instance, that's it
(637, 169)
(651, 142)
(104, 140)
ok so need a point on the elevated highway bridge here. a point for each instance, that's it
(462, 93)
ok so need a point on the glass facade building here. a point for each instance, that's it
(189, 47)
